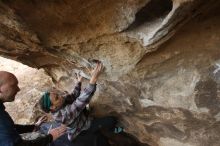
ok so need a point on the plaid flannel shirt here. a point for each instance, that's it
(71, 114)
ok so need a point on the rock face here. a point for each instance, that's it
(163, 84)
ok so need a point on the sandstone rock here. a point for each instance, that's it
(161, 58)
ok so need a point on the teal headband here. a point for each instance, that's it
(46, 101)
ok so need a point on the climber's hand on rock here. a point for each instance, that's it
(96, 72)
(79, 78)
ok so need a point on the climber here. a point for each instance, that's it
(68, 110)
(9, 132)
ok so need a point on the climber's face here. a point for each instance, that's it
(57, 100)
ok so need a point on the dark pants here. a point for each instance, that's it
(107, 123)
(92, 136)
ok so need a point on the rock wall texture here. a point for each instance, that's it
(161, 57)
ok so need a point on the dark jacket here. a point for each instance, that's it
(9, 132)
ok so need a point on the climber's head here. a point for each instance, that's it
(52, 100)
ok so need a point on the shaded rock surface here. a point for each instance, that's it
(161, 58)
